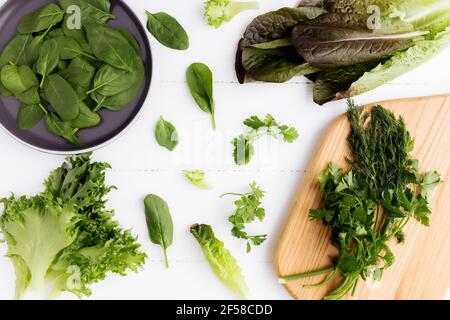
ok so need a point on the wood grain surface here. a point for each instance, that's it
(422, 266)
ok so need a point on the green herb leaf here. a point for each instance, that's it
(79, 74)
(86, 118)
(243, 145)
(197, 178)
(166, 134)
(248, 210)
(92, 11)
(16, 51)
(167, 30)
(159, 223)
(200, 82)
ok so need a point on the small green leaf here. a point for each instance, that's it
(167, 30)
(61, 128)
(159, 222)
(197, 178)
(200, 82)
(62, 97)
(430, 181)
(166, 134)
(44, 17)
(18, 79)
(29, 116)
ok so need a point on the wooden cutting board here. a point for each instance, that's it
(422, 266)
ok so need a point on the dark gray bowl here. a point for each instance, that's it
(113, 123)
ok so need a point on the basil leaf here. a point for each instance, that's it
(61, 128)
(159, 223)
(29, 96)
(29, 116)
(167, 30)
(48, 59)
(79, 74)
(200, 81)
(86, 118)
(18, 79)
(16, 51)
(62, 97)
(40, 19)
(166, 134)
(111, 47)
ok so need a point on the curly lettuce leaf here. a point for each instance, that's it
(36, 230)
(220, 259)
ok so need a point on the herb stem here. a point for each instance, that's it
(322, 283)
(284, 279)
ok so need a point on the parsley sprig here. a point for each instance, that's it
(372, 202)
(244, 144)
(248, 209)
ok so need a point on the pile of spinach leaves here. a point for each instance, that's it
(345, 47)
(66, 74)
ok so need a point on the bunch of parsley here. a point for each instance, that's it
(371, 203)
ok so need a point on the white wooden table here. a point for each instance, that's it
(140, 166)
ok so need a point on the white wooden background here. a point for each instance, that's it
(140, 166)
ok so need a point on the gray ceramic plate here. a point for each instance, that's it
(113, 123)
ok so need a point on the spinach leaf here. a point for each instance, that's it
(48, 59)
(120, 100)
(62, 65)
(274, 65)
(111, 47)
(86, 118)
(55, 33)
(166, 134)
(34, 49)
(61, 128)
(77, 34)
(16, 51)
(29, 96)
(167, 30)
(46, 16)
(109, 81)
(131, 39)
(272, 26)
(70, 49)
(62, 97)
(79, 75)
(29, 116)
(159, 223)
(200, 81)
(339, 40)
(5, 92)
(18, 79)
(92, 11)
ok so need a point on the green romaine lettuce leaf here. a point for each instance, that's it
(399, 64)
(220, 259)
